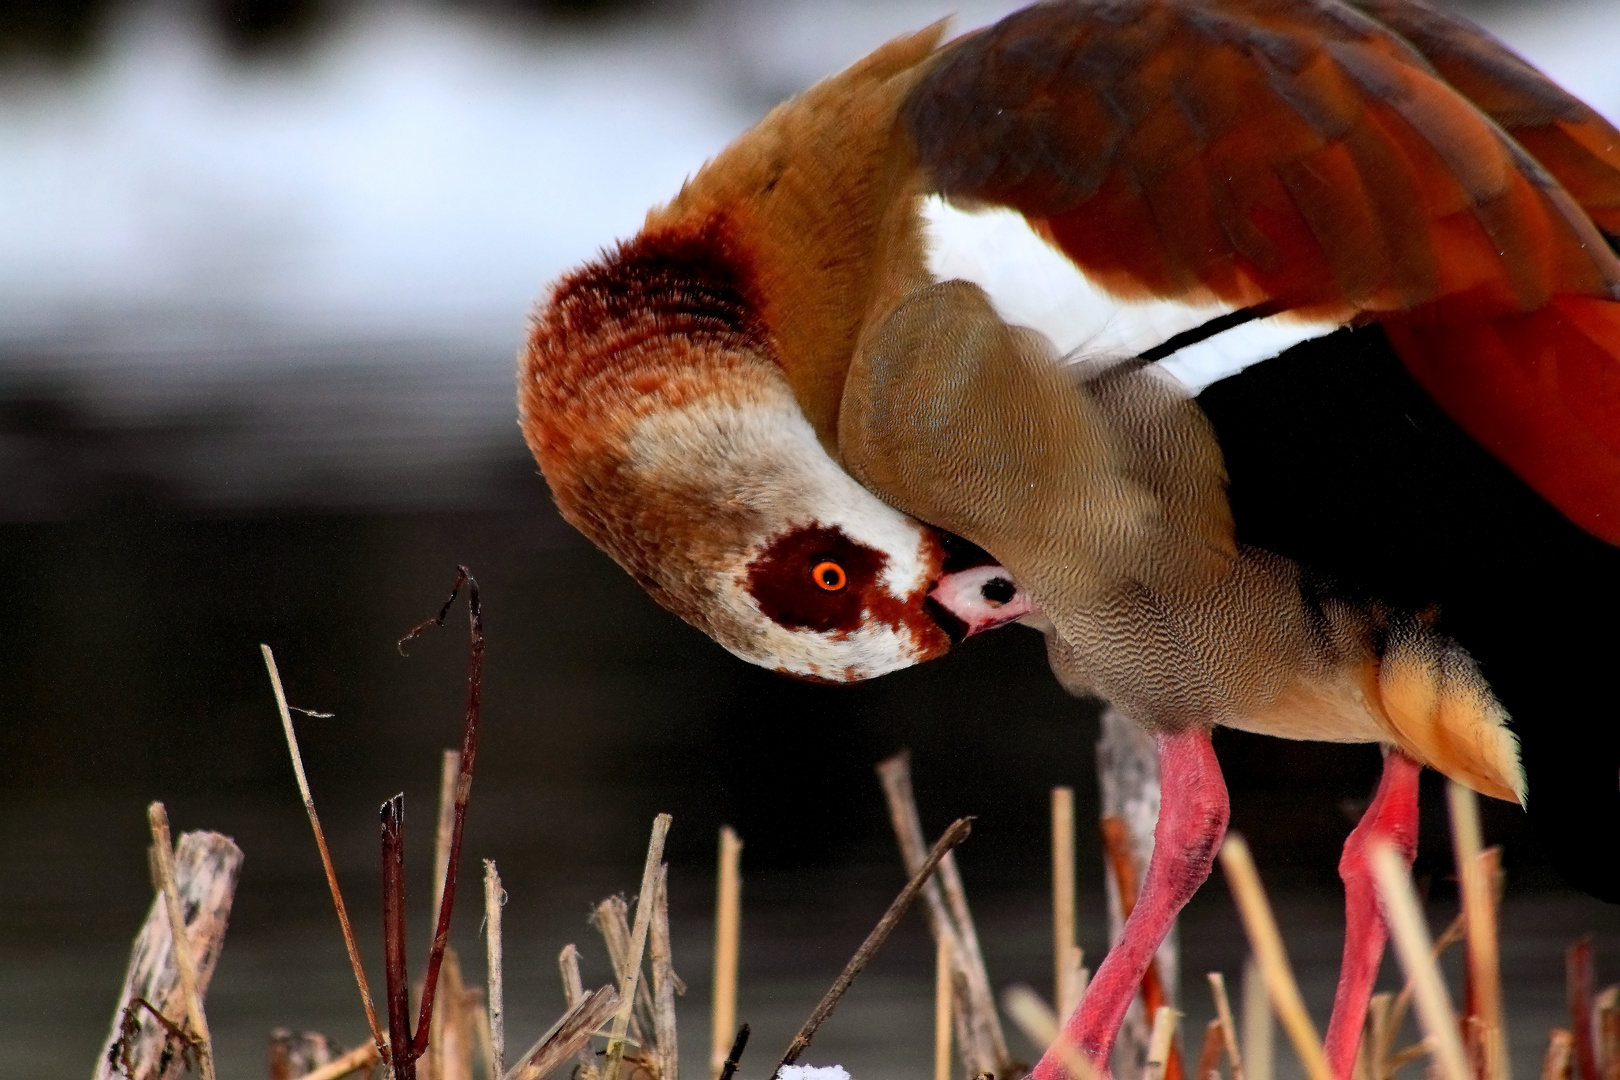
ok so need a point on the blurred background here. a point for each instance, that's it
(264, 265)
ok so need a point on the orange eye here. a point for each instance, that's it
(829, 575)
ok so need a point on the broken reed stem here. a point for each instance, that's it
(1267, 944)
(727, 934)
(638, 945)
(660, 958)
(1159, 1043)
(463, 788)
(573, 992)
(728, 1068)
(1040, 1026)
(1375, 1039)
(1555, 1063)
(1412, 944)
(570, 1035)
(1259, 1038)
(1606, 1011)
(449, 770)
(1063, 912)
(492, 956)
(1209, 1055)
(942, 1008)
(180, 939)
(1223, 1017)
(361, 1057)
(880, 933)
(1479, 909)
(326, 855)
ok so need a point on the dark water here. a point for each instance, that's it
(131, 672)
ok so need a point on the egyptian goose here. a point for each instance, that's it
(781, 412)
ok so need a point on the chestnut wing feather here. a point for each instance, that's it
(1302, 154)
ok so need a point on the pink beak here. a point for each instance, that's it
(981, 598)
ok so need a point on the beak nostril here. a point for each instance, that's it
(998, 591)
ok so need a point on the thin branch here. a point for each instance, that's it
(469, 755)
(728, 1068)
(326, 855)
(874, 941)
(403, 1056)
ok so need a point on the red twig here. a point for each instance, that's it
(469, 753)
(1579, 979)
(393, 896)
(406, 1048)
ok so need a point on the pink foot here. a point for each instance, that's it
(1393, 816)
(1192, 820)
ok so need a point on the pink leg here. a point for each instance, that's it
(1192, 821)
(1392, 816)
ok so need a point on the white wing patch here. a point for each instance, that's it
(1032, 284)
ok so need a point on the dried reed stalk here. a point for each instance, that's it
(638, 945)
(1375, 1039)
(406, 1048)
(1209, 1054)
(1479, 911)
(326, 855)
(1560, 1049)
(979, 1038)
(361, 1057)
(573, 993)
(1063, 905)
(1223, 1018)
(612, 918)
(942, 1008)
(168, 889)
(666, 984)
(1415, 950)
(1267, 944)
(727, 936)
(459, 1010)
(874, 941)
(493, 960)
(1259, 1038)
(1161, 1043)
(1606, 1022)
(1040, 1026)
(568, 1036)
(449, 770)
(206, 868)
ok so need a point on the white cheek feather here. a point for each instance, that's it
(1032, 284)
(764, 454)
